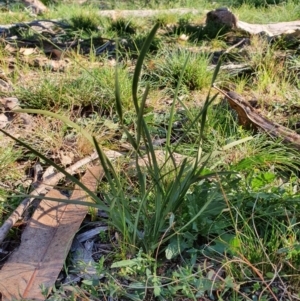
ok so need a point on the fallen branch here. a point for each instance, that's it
(249, 117)
(224, 17)
(272, 30)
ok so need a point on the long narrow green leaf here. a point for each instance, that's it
(57, 116)
(108, 168)
(171, 156)
(167, 238)
(118, 98)
(139, 125)
(207, 103)
(117, 90)
(119, 208)
(139, 65)
(217, 69)
(60, 169)
(138, 213)
(151, 153)
(237, 142)
(75, 202)
(131, 139)
(141, 177)
(172, 197)
(186, 132)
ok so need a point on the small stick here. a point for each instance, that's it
(235, 45)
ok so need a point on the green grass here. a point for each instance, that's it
(9, 177)
(168, 66)
(89, 87)
(289, 11)
(221, 224)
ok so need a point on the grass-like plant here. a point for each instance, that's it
(168, 68)
(86, 22)
(213, 203)
(92, 87)
(160, 197)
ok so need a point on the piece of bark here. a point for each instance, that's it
(45, 243)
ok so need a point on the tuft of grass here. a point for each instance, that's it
(123, 27)
(166, 19)
(85, 21)
(14, 17)
(155, 202)
(265, 62)
(94, 87)
(65, 10)
(265, 223)
(285, 11)
(167, 67)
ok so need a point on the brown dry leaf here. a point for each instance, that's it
(183, 37)
(45, 243)
(45, 63)
(56, 54)
(66, 158)
(10, 48)
(17, 120)
(3, 121)
(5, 86)
(27, 51)
(10, 103)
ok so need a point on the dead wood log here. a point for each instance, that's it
(273, 29)
(115, 14)
(224, 17)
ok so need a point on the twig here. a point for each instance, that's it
(235, 45)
